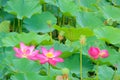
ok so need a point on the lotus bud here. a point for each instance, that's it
(60, 36)
(82, 39)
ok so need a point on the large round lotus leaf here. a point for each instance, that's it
(111, 12)
(26, 76)
(109, 34)
(40, 22)
(29, 66)
(90, 19)
(105, 73)
(68, 7)
(15, 39)
(89, 4)
(23, 8)
(73, 34)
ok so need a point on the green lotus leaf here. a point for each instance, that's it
(73, 34)
(23, 8)
(25, 65)
(68, 7)
(73, 64)
(109, 34)
(26, 76)
(103, 72)
(90, 5)
(15, 39)
(40, 22)
(90, 19)
(111, 12)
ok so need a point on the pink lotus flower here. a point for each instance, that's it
(26, 52)
(104, 53)
(95, 53)
(50, 56)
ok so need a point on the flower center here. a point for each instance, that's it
(24, 50)
(24, 56)
(49, 55)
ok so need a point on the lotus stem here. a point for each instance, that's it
(48, 69)
(63, 20)
(81, 62)
(13, 26)
(97, 71)
(19, 26)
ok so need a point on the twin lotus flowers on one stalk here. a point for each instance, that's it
(51, 56)
(95, 53)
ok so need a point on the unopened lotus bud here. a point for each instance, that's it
(65, 76)
(60, 36)
(65, 72)
(83, 39)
